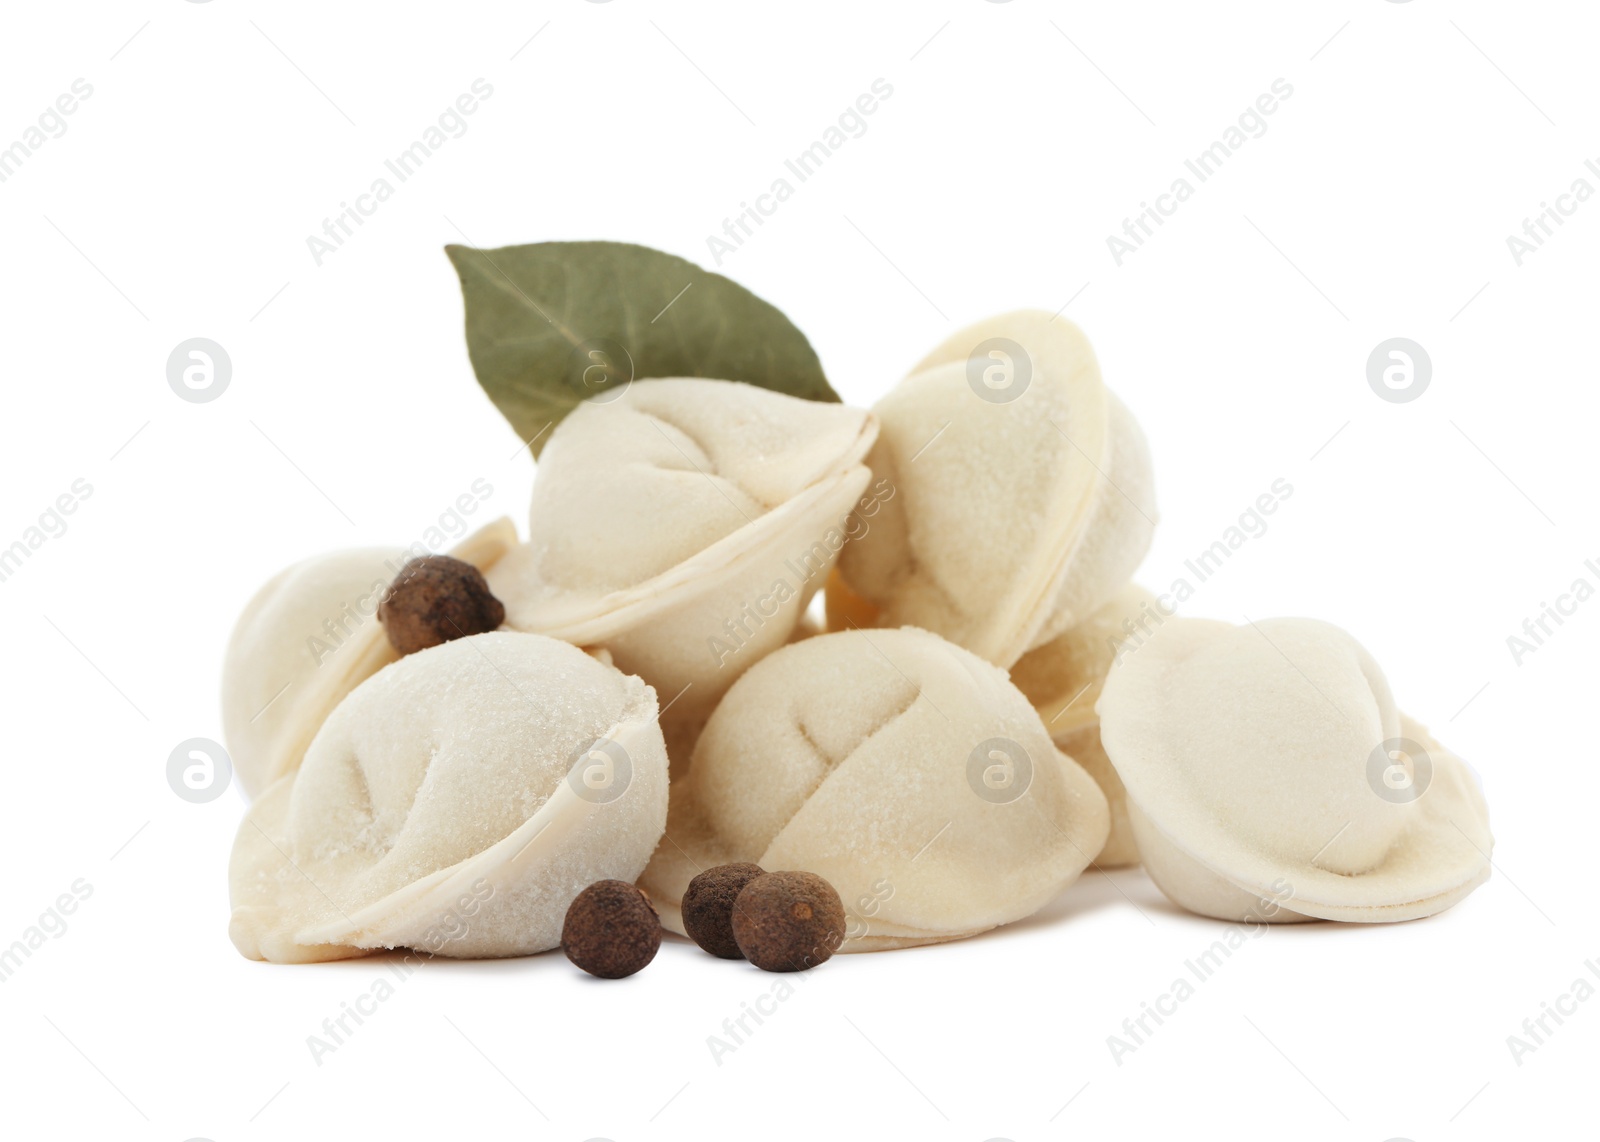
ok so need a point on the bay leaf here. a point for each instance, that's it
(554, 323)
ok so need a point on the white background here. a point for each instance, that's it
(220, 135)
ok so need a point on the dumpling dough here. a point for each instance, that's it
(455, 802)
(684, 527)
(1063, 678)
(1009, 521)
(1270, 774)
(307, 639)
(909, 773)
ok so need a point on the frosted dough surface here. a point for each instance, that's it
(309, 637)
(684, 526)
(1011, 521)
(1063, 678)
(849, 755)
(1250, 752)
(283, 638)
(446, 776)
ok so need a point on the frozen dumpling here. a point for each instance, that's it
(904, 770)
(455, 802)
(1270, 775)
(1062, 679)
(306, 640)
(1017, 497)
(684, 526)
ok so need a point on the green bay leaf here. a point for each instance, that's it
(555, 323)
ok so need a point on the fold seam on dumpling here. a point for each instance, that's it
(594, 620)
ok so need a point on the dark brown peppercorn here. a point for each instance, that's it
(788, 921)
(611, 931)
(708, 907)
(437, 598)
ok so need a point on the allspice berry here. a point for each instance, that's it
(610, 930)
(434, 599)
(708, 907)
(788, 921)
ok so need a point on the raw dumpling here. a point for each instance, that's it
(684, 527)
(455, 802)
(1062, 679)
(306, 640)
(1271, 776)
(907, 772)
(1008, 513)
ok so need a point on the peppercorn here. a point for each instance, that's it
(708, 907)
(434, 599)
(788, 921)
(610, 930)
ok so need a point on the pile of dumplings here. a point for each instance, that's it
(991, 707)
